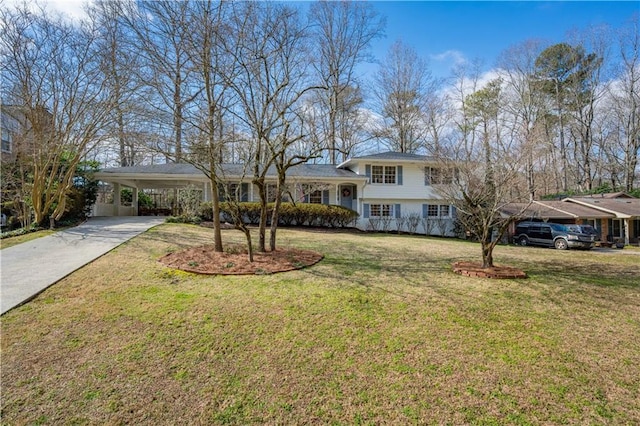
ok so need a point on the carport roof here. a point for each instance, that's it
(230, 171)
(556, 210)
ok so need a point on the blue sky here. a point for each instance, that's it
(445, 31)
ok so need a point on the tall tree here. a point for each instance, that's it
(481, 176)
(58, 94)
(162, 30)
(402, 88)
(118, 58)
(270, 56)
(525, 105)
(343, 32)
(564, 73)
(626, 101)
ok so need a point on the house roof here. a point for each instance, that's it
(554, 210)
(619, 207)
(396, 157)
(180, 173)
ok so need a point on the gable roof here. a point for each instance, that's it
(389, 156)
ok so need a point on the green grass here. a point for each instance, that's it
(19, 239)
(379, 332)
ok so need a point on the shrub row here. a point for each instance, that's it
(290, 214)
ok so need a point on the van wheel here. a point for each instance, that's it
(523, 241)
(561, 244)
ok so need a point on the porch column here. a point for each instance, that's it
(134, 200)
(116, 199)
(627, 228)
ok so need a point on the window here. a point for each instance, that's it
(383, 174)
(381, 210)
(234, 191)
(315, 197)
(272, 191)
(434, 211)
(6, 142)
(437, 176)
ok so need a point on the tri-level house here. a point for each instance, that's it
(390, 190)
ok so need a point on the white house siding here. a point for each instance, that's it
(440, 226)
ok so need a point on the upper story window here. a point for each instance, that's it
(437, 176)
(383, 174)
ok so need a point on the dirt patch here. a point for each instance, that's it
(471, 269)
(235, 261)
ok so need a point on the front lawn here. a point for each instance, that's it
(379, 332)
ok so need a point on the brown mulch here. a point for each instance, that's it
(471, 269)
(235, 261)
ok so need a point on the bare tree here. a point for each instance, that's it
(118, 57)
(525, 105)
(270, 81)
(162, 30)
(626, 101)
(402, 88)
(343, 32)
(480, 176)
(57, 91)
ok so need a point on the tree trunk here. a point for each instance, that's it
(487, 254)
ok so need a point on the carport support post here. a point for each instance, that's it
(117, 191)
(134, 200)
(626, 231)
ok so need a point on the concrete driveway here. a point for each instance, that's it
(31, 267)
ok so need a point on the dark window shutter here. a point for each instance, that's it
(325, 196)
(453, 212)
(367, 170)
(306, 198)
(425, 210)
(398, 211)
(365, 211)
(399, 177)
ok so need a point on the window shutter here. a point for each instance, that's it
(399, 177)
(367, 170)
(453, 212)
(427, 178)
(365, 211)
(325, 196)
(425, 210)
(398, 211)
(306, 198)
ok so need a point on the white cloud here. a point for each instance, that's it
(453, 57)
(72, 9)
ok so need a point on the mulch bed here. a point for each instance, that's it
(471, 269)
(235, 261)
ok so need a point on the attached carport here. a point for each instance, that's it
(137, 178)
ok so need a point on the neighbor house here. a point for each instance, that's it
(387, 189)
(614, 216)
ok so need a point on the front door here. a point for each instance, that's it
(347, 195)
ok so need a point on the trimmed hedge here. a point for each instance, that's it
(290, 214)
